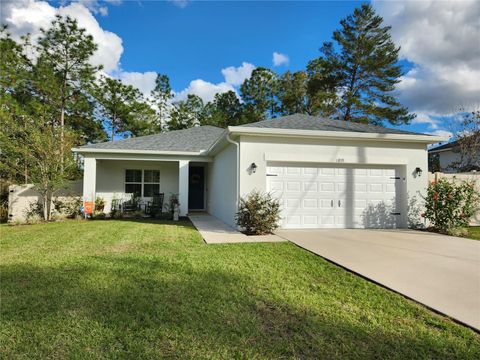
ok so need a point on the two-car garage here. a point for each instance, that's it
(336, 196)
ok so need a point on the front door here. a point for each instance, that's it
(196, 188)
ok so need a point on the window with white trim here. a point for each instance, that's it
(144, 183)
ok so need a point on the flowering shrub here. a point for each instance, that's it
(258, 213)
(450, 206)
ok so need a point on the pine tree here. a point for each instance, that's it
(123, 108)
(366, 67)
(65, 50)
(259, 94)
(162, 94)
(225, 110)
(187, 113)
(292, 93)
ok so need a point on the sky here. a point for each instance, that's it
(209, 47)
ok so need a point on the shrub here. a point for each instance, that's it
(258, 213)
(98, 215)
(34, 212)
(99, 204)
(70, 207)
(450, 206)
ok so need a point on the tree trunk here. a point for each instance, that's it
(47, 205)
(113, 127)
(351, 87)
(46, 215)
(62, 122)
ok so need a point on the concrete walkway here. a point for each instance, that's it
(215, 231)
(441, 272)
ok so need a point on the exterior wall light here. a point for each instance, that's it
(418, 172)
(253, 168)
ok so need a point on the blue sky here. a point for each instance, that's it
(207, 47)
(199, 40)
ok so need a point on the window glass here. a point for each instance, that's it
(133, 189)
(151, 176)
(133, 175)
(150, 190)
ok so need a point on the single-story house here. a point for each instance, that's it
(448, 158)
(326, 173)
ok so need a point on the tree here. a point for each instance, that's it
(65, 50)
(292, 93)
(123, 107)
(468, 140)
(322, 84)
(366, 66)
(225, 110)
(187, 113)
(162, 94)
(28, 137)
(15, 70)
(259, 94)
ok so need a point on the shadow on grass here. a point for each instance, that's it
(138, 308)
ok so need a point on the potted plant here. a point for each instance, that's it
(174, 206)
(99, 204)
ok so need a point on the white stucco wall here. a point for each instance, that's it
(221, 185)
(403, 156)
(110, 177)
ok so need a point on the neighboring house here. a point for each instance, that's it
(448, 158)
(327, 173)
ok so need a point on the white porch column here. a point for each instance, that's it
(183, 186)
(89, 178)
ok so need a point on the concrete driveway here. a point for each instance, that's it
(442, 272)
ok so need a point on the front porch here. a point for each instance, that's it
(118, 181)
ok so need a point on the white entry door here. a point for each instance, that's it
(334, 197)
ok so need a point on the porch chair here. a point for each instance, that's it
(131, 205)
(156, 205)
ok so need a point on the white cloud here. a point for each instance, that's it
(423, 118)
(145, 82)
(442, 133)
(28, 16)
(180, 3)
(279, 59)
(442, 39)
(204, 89)
(236, 75)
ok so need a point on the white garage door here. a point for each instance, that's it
(334, 197)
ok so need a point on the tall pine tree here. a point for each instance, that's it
(123, 108)
(365, 63)
(259, 93)
(65, 50)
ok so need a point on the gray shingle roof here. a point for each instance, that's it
(193, 139)
(307, 122)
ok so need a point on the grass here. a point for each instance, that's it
(474, 232)
(126, 289)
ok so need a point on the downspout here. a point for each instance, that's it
(238, 168)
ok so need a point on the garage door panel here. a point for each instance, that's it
(292, 203)
(293, 171)
(334, 197)
(326, 171)
(310, 186)
(294, 186)
(327, 186)
(376, 188)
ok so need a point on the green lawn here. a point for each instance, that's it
(126, 289)
(474, 232)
